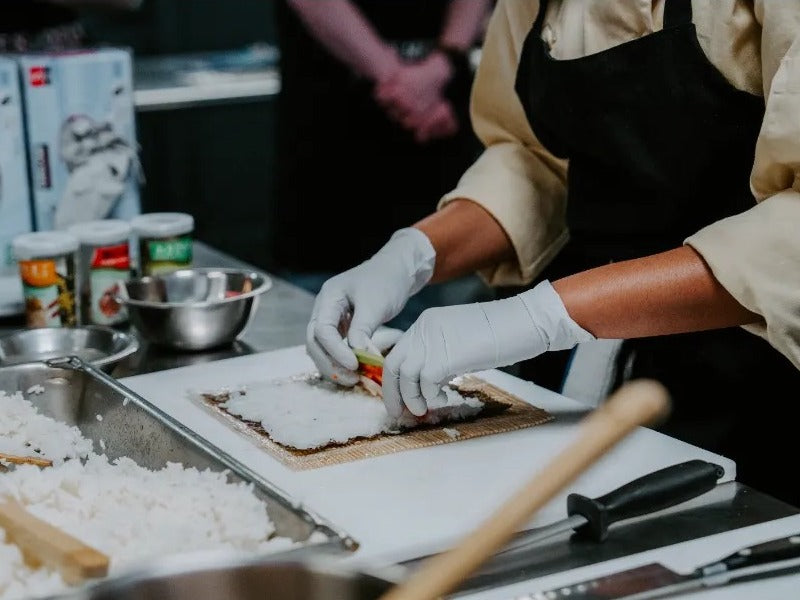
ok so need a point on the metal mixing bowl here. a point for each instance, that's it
(210, 577)
(101, 346)
(194, 309)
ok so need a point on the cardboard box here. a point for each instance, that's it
(15, 209)
(81, 136)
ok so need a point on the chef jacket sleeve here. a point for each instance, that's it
(515, 179)
(756, 255)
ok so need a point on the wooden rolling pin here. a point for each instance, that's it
(637, 403)
(44, 544)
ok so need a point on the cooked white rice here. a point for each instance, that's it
(307, 412)
(124, 510)
(452, 433)
(26, 432)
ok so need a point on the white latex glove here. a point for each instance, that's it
(355, 303)
(454, 340)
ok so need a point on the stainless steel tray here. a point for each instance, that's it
(76, 393)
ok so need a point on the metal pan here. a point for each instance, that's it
(76, 393)
(222, 577)
(102, 346)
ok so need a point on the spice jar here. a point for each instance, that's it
(103, 265)
(47, 268)
(165, 242)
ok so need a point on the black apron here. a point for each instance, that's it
(660, 144)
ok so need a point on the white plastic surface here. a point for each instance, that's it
(411, 503)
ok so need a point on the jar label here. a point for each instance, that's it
(38, 273)
(165, 255)
(48, 286)
(111, 257)
(177, 250)
(108, 270)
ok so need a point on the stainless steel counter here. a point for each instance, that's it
(279, 321)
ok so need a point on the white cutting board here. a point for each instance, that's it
(411, 503)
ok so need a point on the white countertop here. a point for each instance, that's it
(682, 558)
(411, 503)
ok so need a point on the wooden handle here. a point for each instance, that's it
(637, 403)
(44, 544)
(26, 460)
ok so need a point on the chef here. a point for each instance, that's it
(642, 166)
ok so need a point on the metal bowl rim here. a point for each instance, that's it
(265, 286)
(130, 342)
(196, 562)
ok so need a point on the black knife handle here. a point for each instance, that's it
(660, 489)
(772, 551)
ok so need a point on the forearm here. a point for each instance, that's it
(466, 238)
(344, 31)
(463, 23)
(667, 293)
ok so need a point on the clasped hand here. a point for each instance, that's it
(413, 96)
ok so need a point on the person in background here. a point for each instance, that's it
(642, 160)
(48, 25)
(373, 126)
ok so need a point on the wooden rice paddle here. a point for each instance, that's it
(26, 460)
(639, 402)
(44, 544)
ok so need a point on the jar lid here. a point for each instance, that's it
(43, 244)
(163, 224)
(106, 231)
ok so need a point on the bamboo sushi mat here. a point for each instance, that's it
(503, 412)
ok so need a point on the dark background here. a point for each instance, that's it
(170, 26)
(215, 162)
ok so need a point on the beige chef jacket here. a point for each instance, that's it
(754, 43)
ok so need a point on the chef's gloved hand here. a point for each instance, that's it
(455, 340)
(355, 303)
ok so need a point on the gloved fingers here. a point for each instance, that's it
(362, 328)
(330, 311)
(410, 390)
(361, 339)
(385, 338)
(327, 367)
(432, 377)
(391, 378)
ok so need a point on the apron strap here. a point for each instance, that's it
(677, 12)
(538, 24)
